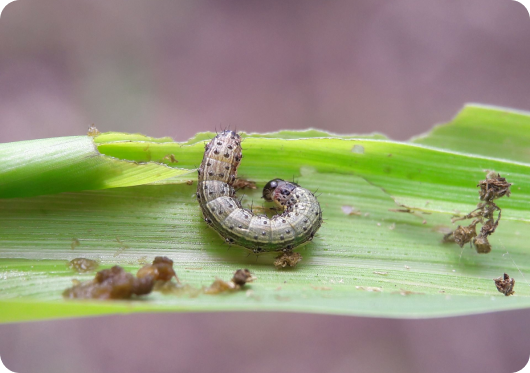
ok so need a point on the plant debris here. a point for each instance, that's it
(369, 288)
(493, 187)
(505, 284)
(113, 283)
(75, 243)
(160, 270)
(171, 158)
(350, 210)
(93, 131)
(244, 184)
(83, 265)
(116, 283)
(240, 278)
(290, 259)
(405, 292)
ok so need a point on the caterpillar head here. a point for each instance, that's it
(270, 187)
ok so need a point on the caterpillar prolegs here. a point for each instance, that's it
(298, 223)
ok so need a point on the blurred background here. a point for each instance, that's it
(173, 68)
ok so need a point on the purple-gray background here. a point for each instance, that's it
(178, 67)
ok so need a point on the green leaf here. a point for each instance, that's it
(399, 253)
(484, 130)
(47, 166)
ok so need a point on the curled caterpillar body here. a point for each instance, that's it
(297, 225)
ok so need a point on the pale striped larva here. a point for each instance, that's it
(297, 224)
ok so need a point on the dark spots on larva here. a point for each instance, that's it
(210, 192)
(226, 155)
(216, 151)
(240, 226)
(305, 221)
(264, 221)
(221, 212)
(297, 196)
(210, 173)
(263, 233)
(282, 237)
(246, 216)
(288, 231)
(231, 227)
(231, 206)
(208, 164)
(221, 175)
(219, 143)
(256, 237)
(284, 221)
(304, 228)
(227, 168)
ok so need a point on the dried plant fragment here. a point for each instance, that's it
(240, 278)
(369, 288)
(505, 284)
(405, 292)
(113, 283)
(350, 210)
(288, 259)
(493, 187)
(93, 131)
(462, 235)
(160, 270)
(75, 243)
(171, 158)
(244, 184)
(83, 265)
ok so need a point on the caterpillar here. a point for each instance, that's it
(296, 225)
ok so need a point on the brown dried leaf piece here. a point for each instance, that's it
(493, 187)
(244, 184)
(290, 259)
(83, 265)
(240, 278)
(93, 131)
(462, 235)
(113, 283)
(161, 269)
(505, 284)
